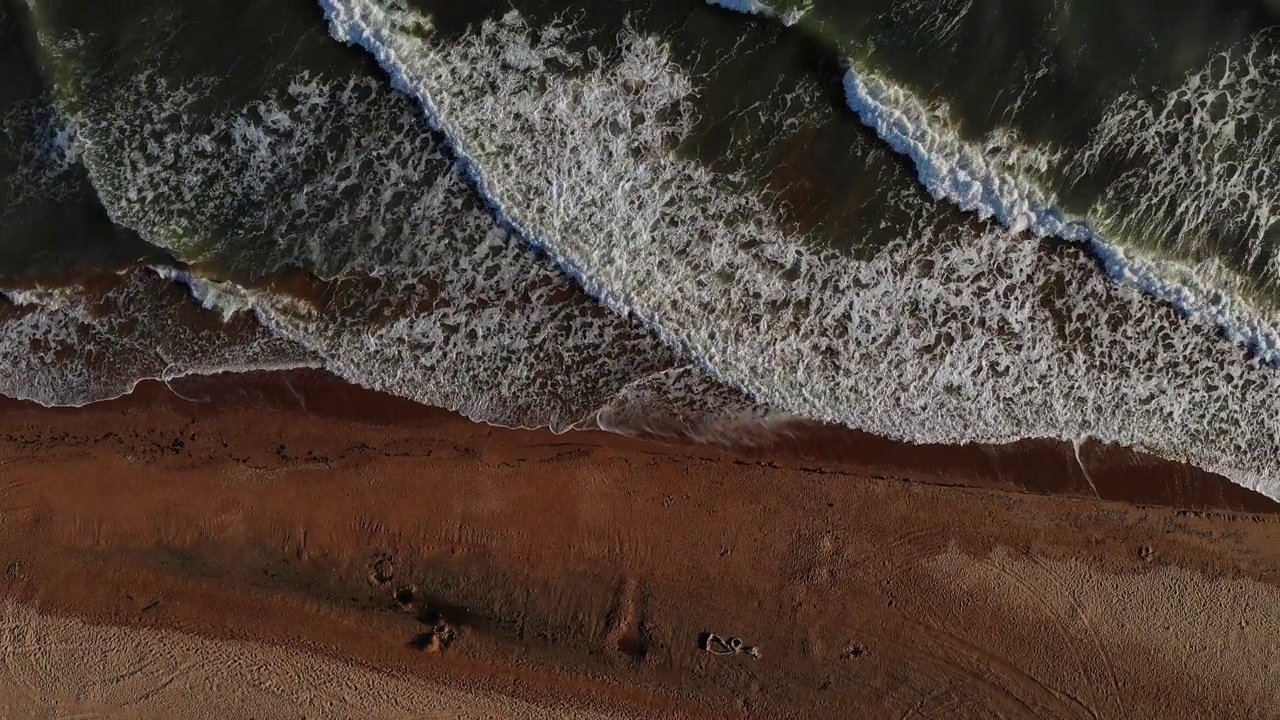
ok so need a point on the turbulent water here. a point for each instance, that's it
(962, 221)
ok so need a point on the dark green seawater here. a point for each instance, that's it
(938, 221)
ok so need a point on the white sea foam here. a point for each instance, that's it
(444, 348)
(947, 334)
(1000, 187)
(938, 20)
(685, 404)
(789, 16)
(41, 149)
(434, 301)
(970, 176)
(1203, 159)
(1203, 172)
(73, 346)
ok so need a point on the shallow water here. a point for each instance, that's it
(908, 218)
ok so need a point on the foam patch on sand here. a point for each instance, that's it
(71, 346)
(432, 300)
(684, 404)
(458, 345)
(948, 334)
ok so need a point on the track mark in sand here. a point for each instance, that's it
(627, 634)
(820, 570)
(1038, 598)
(923, 709)
(998, 680)
(11, 633)
(1096, 637)
(161, 685)
(122, 674)
(945, 702)
(812, 567)
(131, 672)
(882, 566)
(914, 538)
(904, 550)
(10, 488)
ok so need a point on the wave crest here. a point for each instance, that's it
(949, 334)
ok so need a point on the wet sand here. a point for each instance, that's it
(286, 545)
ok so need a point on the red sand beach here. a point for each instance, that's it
(286, 545)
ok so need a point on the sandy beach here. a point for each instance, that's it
(678, 359)
(288, 546)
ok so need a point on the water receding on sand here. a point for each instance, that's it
(683, 217)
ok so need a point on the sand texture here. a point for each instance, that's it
(350, 557)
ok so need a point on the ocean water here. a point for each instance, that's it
(961, 221)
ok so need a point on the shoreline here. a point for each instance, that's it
(1037, 466)
(516, 573)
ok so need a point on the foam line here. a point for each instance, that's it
(961, 173)
(964, 174)
(949, 333)
(69, 347)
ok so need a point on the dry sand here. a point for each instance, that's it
(59, 667)
(318, 551)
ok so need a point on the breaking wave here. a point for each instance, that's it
(949, 333)
(520, 227)
(70, 346)
(415, 289)
(1183, 196)
(1210, 150)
